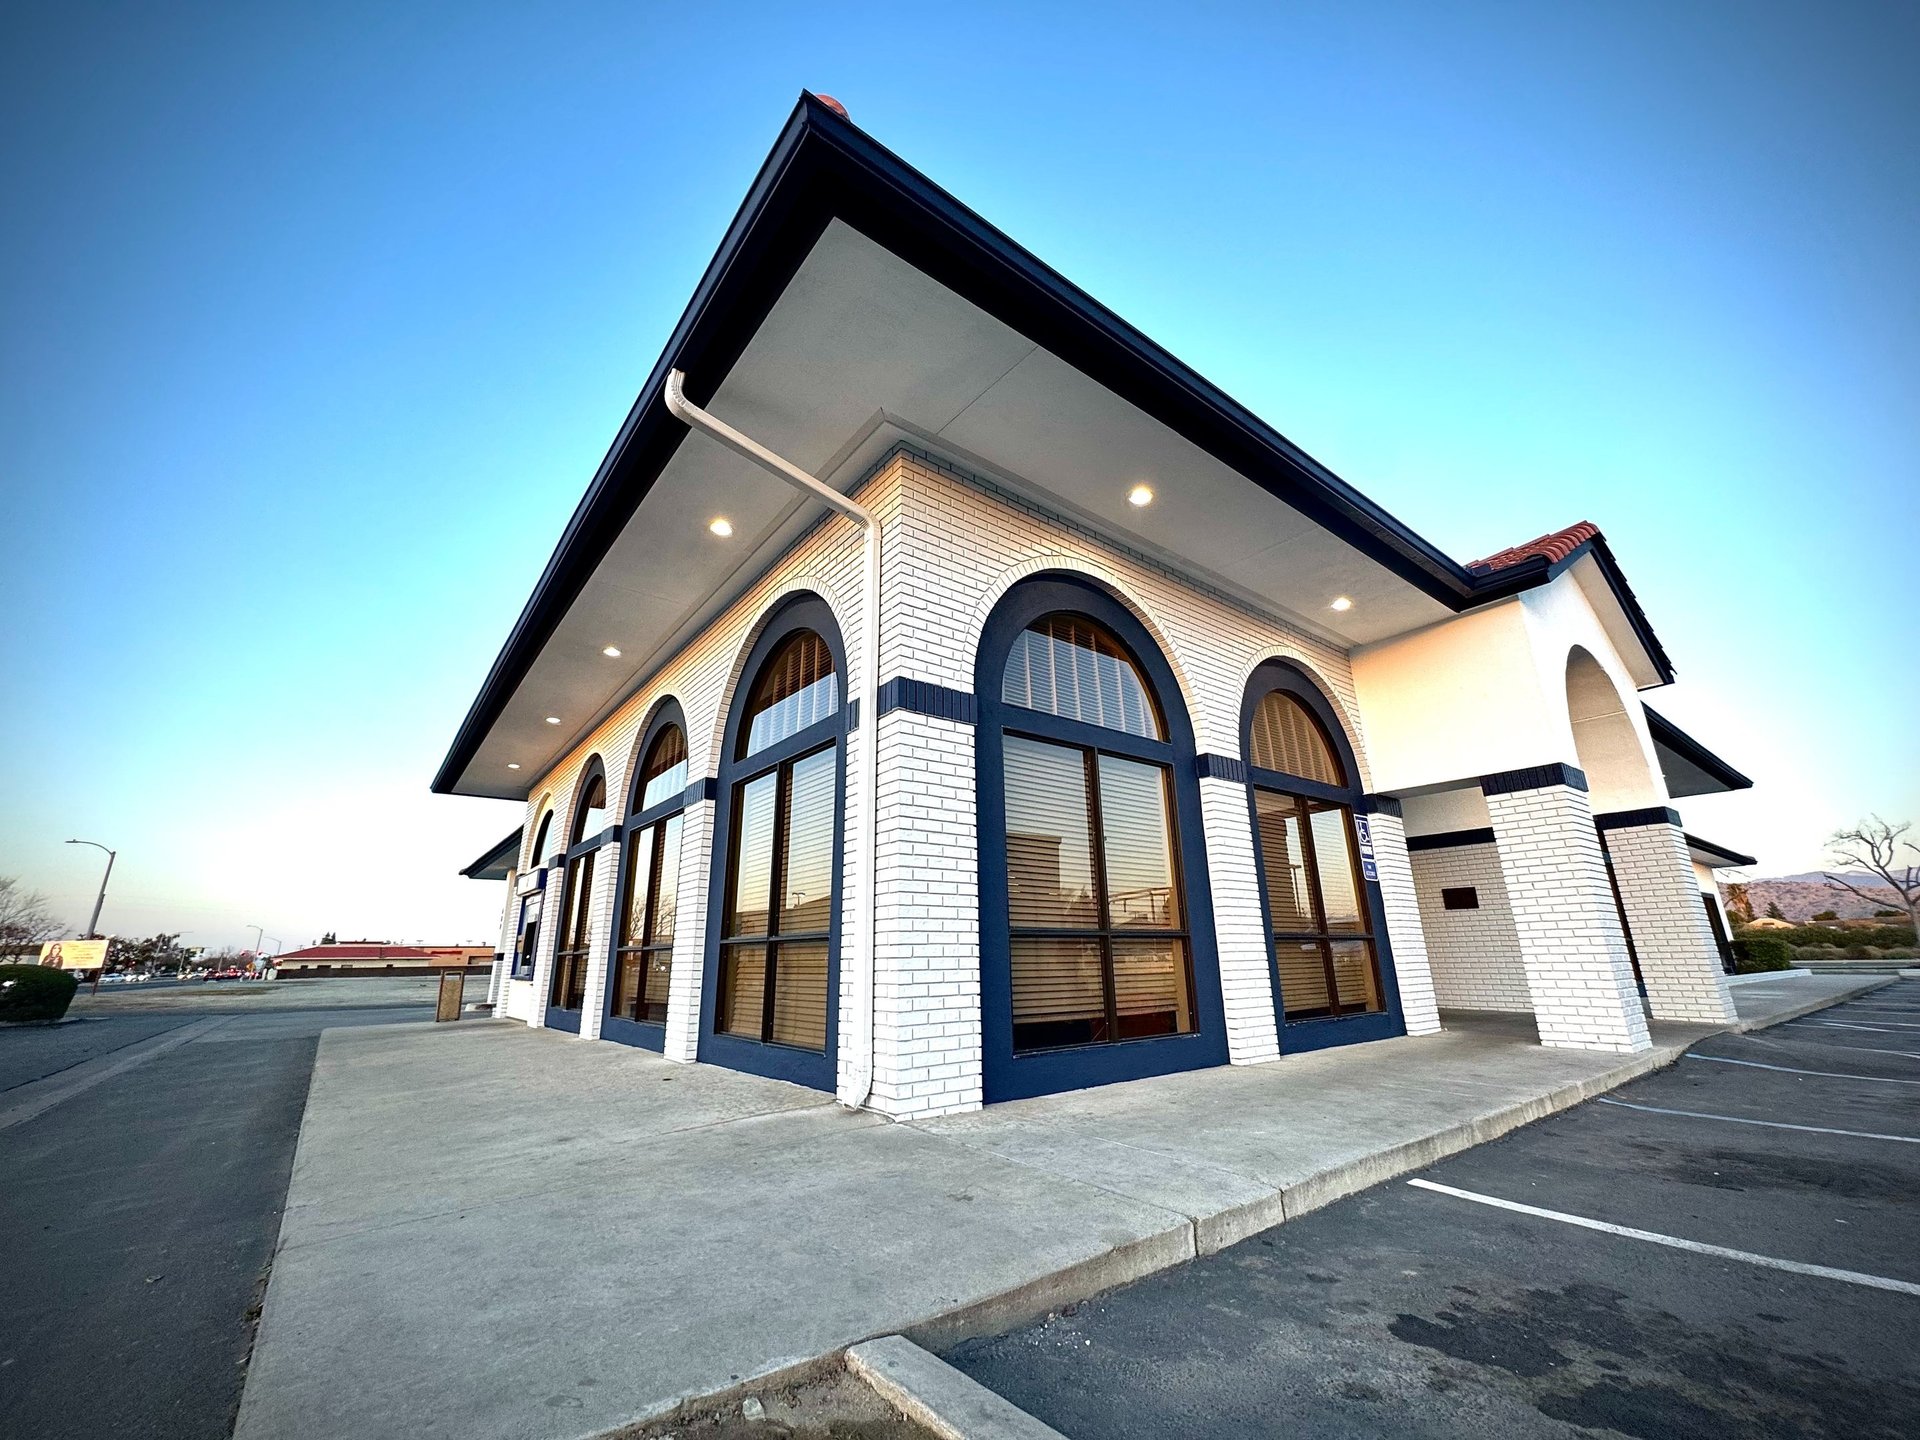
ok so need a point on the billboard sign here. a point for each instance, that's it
(74, 954)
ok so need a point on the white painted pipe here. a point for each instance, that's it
(866, 819)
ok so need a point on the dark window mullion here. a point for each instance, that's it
(1097, 841)
(777, 882)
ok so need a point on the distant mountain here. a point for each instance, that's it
(1801, 897)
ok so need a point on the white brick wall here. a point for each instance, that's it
(1246, 970)
(954, 545)
(1475, 954)
(1578, 974)
(927, 976)
(1406, 934)
(1672, 937)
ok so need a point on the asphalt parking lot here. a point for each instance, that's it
(1415, 1311)
(142, 1210)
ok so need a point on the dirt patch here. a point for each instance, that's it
(831, 1406)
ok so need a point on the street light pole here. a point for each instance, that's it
(93, 925)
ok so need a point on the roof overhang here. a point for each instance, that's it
(1716, 857)
(852, 305)
(1688, 766)
(497, 863)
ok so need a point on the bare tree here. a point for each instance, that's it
(1873, 846)
(25, 920)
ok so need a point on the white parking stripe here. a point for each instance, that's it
(1675, 1242)
(1876, 1029)
(1790, 1070)
(1769, 1124)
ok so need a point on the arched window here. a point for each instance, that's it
(1093, 935)
(1319, 905)
(774, 962)
(527, 941)
(649, 899)
(568, 990)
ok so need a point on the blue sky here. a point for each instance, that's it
(316, 321)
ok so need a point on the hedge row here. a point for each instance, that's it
(1754, 953)
(1883, 937)
(35, 992)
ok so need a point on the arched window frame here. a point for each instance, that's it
(651, 825)
(1321, 1031)
(802, 1067)
(526, 932)
(567, 983)
(1008, 1075)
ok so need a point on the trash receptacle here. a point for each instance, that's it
(452, 985)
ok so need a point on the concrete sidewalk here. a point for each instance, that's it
(498, 1232)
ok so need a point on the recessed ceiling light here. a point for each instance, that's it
(553, 719)
(511, 765)
(1139, 495)
(612, 652)
(721, 526)
(1341, 602)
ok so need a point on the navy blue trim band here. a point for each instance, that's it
(1221, 767)
(1447, 839)
(1632, 819)
(703, 789)
(923, 697)
(1380, 805)
(1533, 777)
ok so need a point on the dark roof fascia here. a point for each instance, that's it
(506, 850)
(1733, 858)
(1665, 733)
(822, 168)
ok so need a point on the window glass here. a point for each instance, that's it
(591, 818)
(1059, 993)
(1067, 665)
(666, 886)
(1137, 841)
(806, 872)
(1333, 854)
(1096, 860)
(1303, 977)
(1285, 736)
(1283, 861)
(540, 836)
(800, 995)
(639, 887)
(663, 774)
(753, 832)
(743, 992)
(797, 687)
(1049, 836)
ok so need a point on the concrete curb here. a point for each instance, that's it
(926, 1389)
(1747, 1027)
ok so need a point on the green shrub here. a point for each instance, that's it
(1818, 952)
(1753, 954)
(35, 992)
(1883, 936)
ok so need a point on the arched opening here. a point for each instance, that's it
(1326, 934)
(771, 1002)
(1097, 954)
(567, 988)
(1608, 749)
(526, 941)
(648, 904)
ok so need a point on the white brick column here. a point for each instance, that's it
(1239, 926)
(1679, 961)
(606, 881)
(926, 1024)
(1578, 974)
(1407, 937)
(685, 981)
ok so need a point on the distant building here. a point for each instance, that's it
(377, 957)
(1767, 922)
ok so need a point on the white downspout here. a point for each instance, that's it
(866, 826)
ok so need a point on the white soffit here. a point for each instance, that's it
(858, 332)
